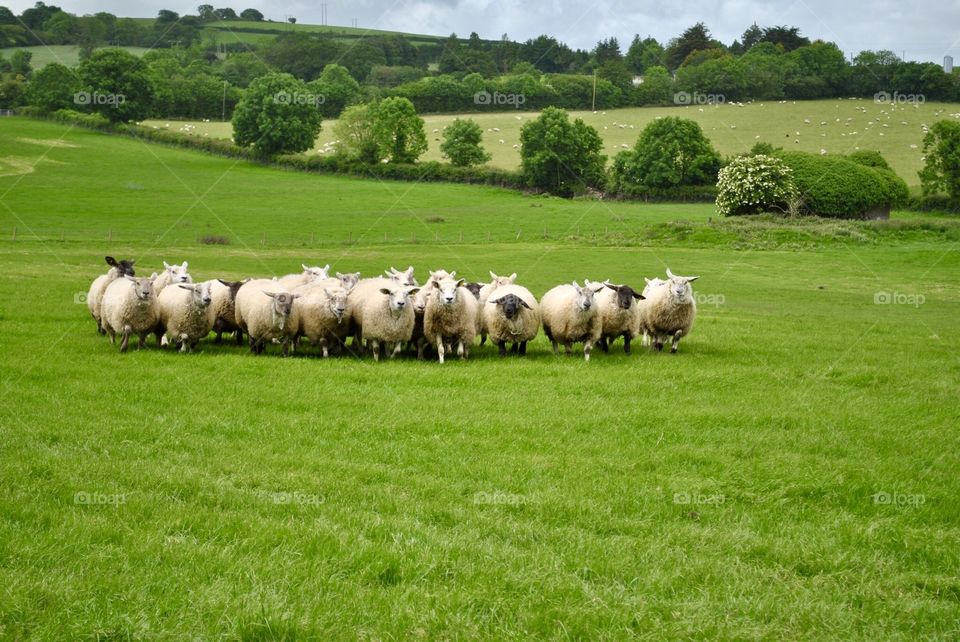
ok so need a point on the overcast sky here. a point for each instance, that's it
(924, 30)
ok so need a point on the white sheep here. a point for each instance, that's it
(450, 317)
(511, 314)
(670, 310)
(129, 307)
(265, 311)
(185, 314)
(171, 274)
(224, 294)
(387, 318)
(309, 274)
(650, 285)
(99, 286)
(322, 317)
(570, 316)
(370, 288)
(485, 291)
(419, 339)
(619, 310)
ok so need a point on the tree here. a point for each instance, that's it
(695, 37)
(240, 69)
(941, 172)
(750, 37)
(788, 38)
(20, 62)
(165, 16)
(643, 54)
(461, 144)
(606, 51)
(52, 88)
(276, 115)
(114, 82)
(560, 156)
(657, 87)
(251, 14)
(205, 12)
(336, 87)
(399, 131)
(225, 14)
(355, 131)
(301, 54)
(670, 152)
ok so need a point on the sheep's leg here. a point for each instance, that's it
(126, 340)
(523, 349)
(567, 348)
(397, 347)
(602, 342)
(440, 350)
(219, 337)
(502, 348)
(556, 348)
(626, 343)
(657, 342)
(461, 351)
(515, 348)
(109, 332)
(285, 346)
(375, 348)
(184, 343)
(483, 338)
(239, 336)
(676, 341)
(645, 340)
(587, 349)
(325, 348)
(421, 346)
(141, 340)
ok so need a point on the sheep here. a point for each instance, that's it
(265, 311)
(418, 339)
(117, 269)
(387, 319)
(224, 295)
(670, 311)
(619, 315)
(129, 307)
(370, 288)
(485, 292)
(570, 316)
(309, 274)
(650, 285)
(171, 274)
(450, 317)
(405, 277)
(512, 314)
(185, 314)
(474, 289)
(322, 309)
(348, 280)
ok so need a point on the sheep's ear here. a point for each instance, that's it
(409, 271)
(226, 283)
(610, 285)
(524, 304)
(495, 301)
(513, 277)
(413, 291)
(133, 261)
(166, 265)
(493, 276)
(576, 285)
(295, 296)
(184, 265)
(272, 295)
(638, 296)
(340, 276)
(110, 261)
(304, 266)
(460, 282)
(670, 274)
(692, 278)
(326, 268)
(386, 291)
(153, 277)
(186, 287)
(453, 274)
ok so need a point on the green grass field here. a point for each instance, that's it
(896, 131)
(68, 55)
(790, 474)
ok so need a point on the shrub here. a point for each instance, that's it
(941, 173)
(670, 152)
(754, 184)
(836, 186)
(277, 114)
(560, 156)
(461, 144)
(869, 158)
(354, 130)
(398, 131)
(762, 148)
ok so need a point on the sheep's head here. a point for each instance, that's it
(123, 266)
(398, 296)
(336, 301)
(625, 295)
(316, 273)
(680, 289)
(234, 287)
(420, 300)
(446, 290)
(585, 294)
(474, 289)
(500, 281)
(201, 293)
(178, 273)
(404, 277)
(510, 305)
(282, 302)
(143, 288)
(651, 285)
(440, 275)
(349, 280)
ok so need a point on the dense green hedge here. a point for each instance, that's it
(836, 186)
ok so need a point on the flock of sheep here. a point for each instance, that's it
(386, 314)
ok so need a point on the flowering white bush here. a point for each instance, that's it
(752, 184)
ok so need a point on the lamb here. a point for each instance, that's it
(171, 274)
(485, 292)
(388, 319)
(570, 316)
(265, 311)
(100, 284)
(309, 274)
(619, 315)
(322, 310)
(224, 295)
(512, 314)
(130, 307)
(450, 317)
(670, 311)
(185, 314)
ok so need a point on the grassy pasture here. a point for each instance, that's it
(896, 131)
(68, 55)
(738, 490)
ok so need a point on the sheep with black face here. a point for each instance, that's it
(511, 315)
(619, 315)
